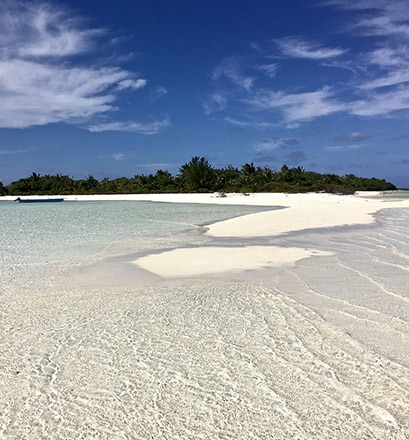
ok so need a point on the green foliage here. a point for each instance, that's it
(87, 186)
(3, 191)
(199, 176)
(36, 184)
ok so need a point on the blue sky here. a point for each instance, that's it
(117, 88)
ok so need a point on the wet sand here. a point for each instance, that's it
(296, 333)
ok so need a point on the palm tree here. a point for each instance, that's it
(198, 175)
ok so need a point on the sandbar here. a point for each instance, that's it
(299, 212)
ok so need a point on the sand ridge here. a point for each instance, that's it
(300, 212)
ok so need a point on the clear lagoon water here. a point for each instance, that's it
(40, 237)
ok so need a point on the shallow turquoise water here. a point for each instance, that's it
(34, 238)
(398, 194)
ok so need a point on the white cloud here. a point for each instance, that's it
(393, 61)
(386, 91)
(133, 84)
(214, 103)
(298, 107)
(118, 156)
(340, 148)
(41, 30)
(114, 156)
(391, 79)
(378, 17)
(251, 124)
(38, 94)
(39, 82)
(378, 86)
(159, 92)
(275, 143)
(10, 152)
(356, 137)
(382, 104)
(397, 7)
(384, 25)
(389, 57)
(296, 48)
(231, 69)
(154, 167)
(269, 69)
(132, 127)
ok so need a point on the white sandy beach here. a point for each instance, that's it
(284, 324)
(300, 212)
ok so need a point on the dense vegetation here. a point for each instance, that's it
(199, 176)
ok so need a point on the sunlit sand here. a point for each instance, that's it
(285, 324)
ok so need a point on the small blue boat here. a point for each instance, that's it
(40, 200)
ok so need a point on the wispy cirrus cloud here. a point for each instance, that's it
(38, 29)
(297, 107)
(391, 64)
(11, 152)
(392, 78)
(385, 92)
(356, 137)
(340, 148)
(249, 124)
(158, 93)
(382, 103)
(231, 68)
(385, 25)
(389, 57)
(40, 80)
(275, 143)
(378, 17)
(269, 69)
(114, 156)
(36, 94)
(353, 141)
(133, 84)
(298, 48)
(148, 128)
(214, 103)
(373, 83)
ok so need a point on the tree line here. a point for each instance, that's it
(198, 175)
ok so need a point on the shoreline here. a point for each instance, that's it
(300, 210)
(300, 213)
